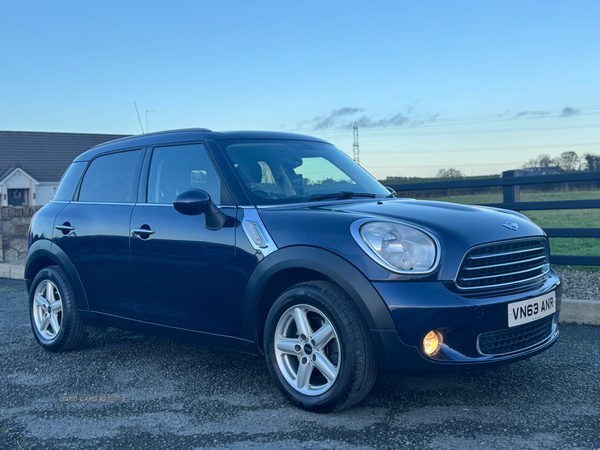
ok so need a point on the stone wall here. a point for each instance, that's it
(14, 223)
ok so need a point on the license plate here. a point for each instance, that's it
(527, 311)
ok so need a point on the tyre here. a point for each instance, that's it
(318, 349)
(53, 312)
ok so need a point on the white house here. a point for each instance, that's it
(19, 188)
(32, 163)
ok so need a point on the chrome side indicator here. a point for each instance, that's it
(257, 233)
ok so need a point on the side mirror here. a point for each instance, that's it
(194, 202)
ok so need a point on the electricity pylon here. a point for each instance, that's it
(355, 147)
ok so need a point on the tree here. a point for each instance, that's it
(449, 173)
(592, 162)
(543, 161)
(569, 161)
(531, 164)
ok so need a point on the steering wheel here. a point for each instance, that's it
(262, 193)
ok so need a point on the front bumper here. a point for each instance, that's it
(418, 308)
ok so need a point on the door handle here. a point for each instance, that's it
(139, 231)
(65, 228)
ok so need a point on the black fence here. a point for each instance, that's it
(511, 184)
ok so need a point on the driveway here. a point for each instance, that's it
(177, 396)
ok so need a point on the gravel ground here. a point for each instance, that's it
(183, 396)
(579, 285)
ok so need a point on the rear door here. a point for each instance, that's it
(184, 273)
(93, 230)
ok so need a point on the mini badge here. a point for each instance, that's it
(511, 225)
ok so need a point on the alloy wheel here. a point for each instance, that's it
(47, 310)
(307, 349)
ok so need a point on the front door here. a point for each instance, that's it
(184, 273)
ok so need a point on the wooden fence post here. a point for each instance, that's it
(512, 194)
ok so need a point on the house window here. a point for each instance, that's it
(18, 197)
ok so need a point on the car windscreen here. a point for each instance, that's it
(292, 171)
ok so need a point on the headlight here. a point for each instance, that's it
(396, 246)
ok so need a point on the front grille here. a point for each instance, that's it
(514, 339)
(505, 264)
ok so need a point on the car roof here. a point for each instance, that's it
(189, 134)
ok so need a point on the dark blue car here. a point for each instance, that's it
(279, 244)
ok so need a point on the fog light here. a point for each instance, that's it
(431, 342)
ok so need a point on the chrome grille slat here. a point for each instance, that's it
(512, 283)
(504, 265)
(513, 273)
(493, 255)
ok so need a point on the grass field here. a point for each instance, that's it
(575, 218)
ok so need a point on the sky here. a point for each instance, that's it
(478, 86)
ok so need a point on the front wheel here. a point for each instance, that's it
(318, 349)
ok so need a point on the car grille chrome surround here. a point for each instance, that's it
(512, 340)
(505, 264)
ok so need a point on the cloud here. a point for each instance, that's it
(568, 112)
(344, 118)
(391, 121)
(333, 119)
(565, 112)
(532, 114)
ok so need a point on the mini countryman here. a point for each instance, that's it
(280, 245)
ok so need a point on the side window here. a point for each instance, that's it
(175, 169)
(110, 178)
(67, 184)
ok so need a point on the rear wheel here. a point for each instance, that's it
(318, 348)
(53, 312)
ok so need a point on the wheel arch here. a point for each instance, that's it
(292, 265)
(44, 253)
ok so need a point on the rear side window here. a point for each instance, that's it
(111, 178)
(175, 169)
(68, 183)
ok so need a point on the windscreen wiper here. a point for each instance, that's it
(342, 195)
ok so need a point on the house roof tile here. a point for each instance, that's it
(45, 156)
